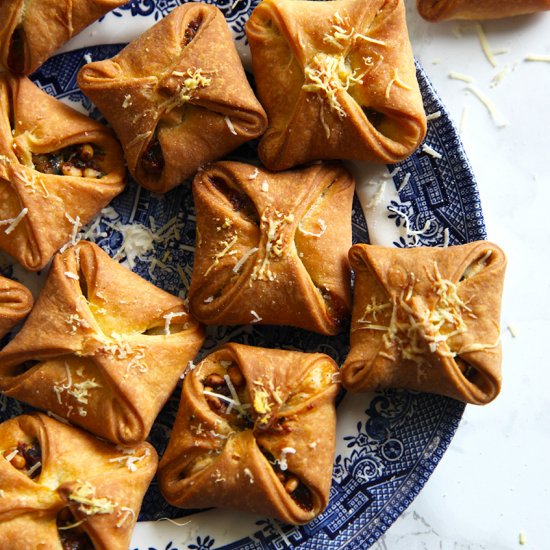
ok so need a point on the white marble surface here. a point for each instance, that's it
(493, 483)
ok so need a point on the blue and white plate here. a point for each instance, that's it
(388, 443)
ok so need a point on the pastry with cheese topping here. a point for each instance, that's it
(177, 96)
(337, 80)
(102, 348)
(272, 248)
(61, 488)
(427, 319)
(255, 431)
(58, 169)
(442, 10)
(15, 303)
(32, 30)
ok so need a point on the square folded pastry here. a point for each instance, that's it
(442, 10)
(32, 30)
(337, 80)
(64, 489)
(177, 96)
(272, 247)
(102, 347)
(255, 431)
(15, 303)
(427, 319)
(58, 169)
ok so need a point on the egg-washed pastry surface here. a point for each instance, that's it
(427, 319)
(15, 303)
(177, 96)
(337, 80)
(441, 10)
(32, 30)
(103, 347)
(63, 489)
(58, 169)
(255, 431)
(272, 248)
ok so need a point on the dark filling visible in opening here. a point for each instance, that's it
(336, 308)
(239, 201)
(26, 366)
(216, 383)
(191, 30)
(152, 160)
(375, 117)
(16, 55)
(76, 160)
(292, 484)
(72, 538)
(28, 458)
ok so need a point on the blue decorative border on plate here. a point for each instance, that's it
(399, 436)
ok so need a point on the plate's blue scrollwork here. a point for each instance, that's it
(236, 12)
(397, 437)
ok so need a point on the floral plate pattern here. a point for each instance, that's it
(388, 443)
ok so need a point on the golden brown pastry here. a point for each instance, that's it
(64, 489)
(177, 96)
(271, 247)
(427, 319)
(15, 303)
(337, 80)
(103, 347)
(255, 431)
(32, 30)
(58, 169)
(441, 10)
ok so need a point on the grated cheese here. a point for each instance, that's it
(497, 79)
(430, 151)
(254, 174)
(537, 57)
(433, 116)
(12, 455)
(33, 468)
(329, 75)
(71, 275)
(512, 330)
(12, 223)
(127, 101)
(460, 76)
(168, 319)
(84, 494)
(446, 237)
(397, 81)
(463, 120)
(130, 460)
(225, 251)
(485, 44)
(265, 186)
(261, 401)
(377, 197)
(248, 474)
(255, 317)
(230, 125)
(282, 461)
(498, 119)
(404, 183)
(124, 514)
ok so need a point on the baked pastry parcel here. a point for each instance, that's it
(272, 248)
(441, 10)
(64, 489)
(177, 96)
(337, 80)
(58, 169)
(255, 431)
(32, 30)
(427, 319)
(102, 347)
(15, 303)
